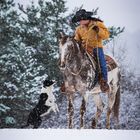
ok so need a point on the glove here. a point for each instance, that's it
(96, 29)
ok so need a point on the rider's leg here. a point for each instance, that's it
(102, 68)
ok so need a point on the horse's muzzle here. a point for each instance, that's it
(62, 65)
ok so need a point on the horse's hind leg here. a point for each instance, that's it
(114, 99)
(111, 101)
(70, 111)
(82, 112)
(99, 104)
(113, 107)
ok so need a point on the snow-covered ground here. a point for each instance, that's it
(65, 134)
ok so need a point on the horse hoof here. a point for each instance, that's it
(82, 127)
(70, 127)
(93, 126)
(107, 126)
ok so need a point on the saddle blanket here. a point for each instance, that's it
(111, 64)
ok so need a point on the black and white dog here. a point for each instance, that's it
(45, 105)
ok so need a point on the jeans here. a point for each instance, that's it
(102, 63)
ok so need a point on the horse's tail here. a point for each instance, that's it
(117, 104)
(117, 100)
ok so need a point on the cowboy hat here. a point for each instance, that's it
(82, 14)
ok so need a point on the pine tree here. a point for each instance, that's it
(40, 30)
(9, 72)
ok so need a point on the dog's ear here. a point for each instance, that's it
(52, 82)
(48, 83)
(44, 82)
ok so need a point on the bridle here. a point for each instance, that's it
(69, 58)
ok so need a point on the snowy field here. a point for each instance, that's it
(55, 134)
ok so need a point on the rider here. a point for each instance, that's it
(90, 33)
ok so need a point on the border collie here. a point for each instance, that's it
(45, 105)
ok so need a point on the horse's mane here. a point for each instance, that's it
(79, 47)
(75, 43)
(64, 39)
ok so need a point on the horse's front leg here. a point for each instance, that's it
(99, 104)
(82, 112)
(70, 111)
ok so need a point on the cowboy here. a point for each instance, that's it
(90, 33)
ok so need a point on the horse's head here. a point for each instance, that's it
(66, 49)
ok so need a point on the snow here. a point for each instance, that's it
(4, 108)
(62, 134)
(11, 86)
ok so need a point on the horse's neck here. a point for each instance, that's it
(76, 60)
(82, 57)
(77, 55)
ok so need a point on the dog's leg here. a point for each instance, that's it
(37, 124)
(46, 113)
(55, 108)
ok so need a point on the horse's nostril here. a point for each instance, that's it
(62, 65)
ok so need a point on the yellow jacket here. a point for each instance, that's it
(88, 36)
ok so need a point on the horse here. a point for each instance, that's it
(79, 72)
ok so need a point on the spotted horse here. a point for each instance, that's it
(79, 75)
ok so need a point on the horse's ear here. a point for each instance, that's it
(61, 35)
(71, 35)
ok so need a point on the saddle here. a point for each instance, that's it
(111, 64)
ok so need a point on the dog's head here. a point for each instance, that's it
(43, 97)
(48, 83)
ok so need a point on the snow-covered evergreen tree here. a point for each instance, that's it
(9, 71)
(29, 52)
